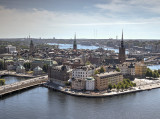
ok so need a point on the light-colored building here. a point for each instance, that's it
(37, 71)
(104, 79)
(83, 72)
(11, 49)
(140, 69)
(127, 68)
(90, 83)
(78, 84)
(20, 69)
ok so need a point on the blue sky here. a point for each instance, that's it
(140, 19)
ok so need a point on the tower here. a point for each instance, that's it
(121, 56)
(31, 49)
(75, 43)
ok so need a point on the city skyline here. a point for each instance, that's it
(89, 19)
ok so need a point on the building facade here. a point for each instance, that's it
(104, 79)
(59, 74)
(140, 69)
(83, 72)
(90, 83)
(78, 84)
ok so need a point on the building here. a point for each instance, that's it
(78, 84)
(37, 71)
(121, 56)
(127, 68)
(31, 49)
(20, 69)
(10, 49)
(59, 74)
(83, 72)
(90, 83)
(42, 62)
(104, 79)
(140, 69)
(75, 43)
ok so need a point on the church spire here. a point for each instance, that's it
(122, 45)
(75, 43)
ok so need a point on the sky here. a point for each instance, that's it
(139, 19)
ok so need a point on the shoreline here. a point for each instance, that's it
(99, 95)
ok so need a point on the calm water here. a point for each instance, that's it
(11, 79)
(154, 67)
(42, 103)
(66, 46)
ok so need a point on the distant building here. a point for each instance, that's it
(140, 69)
(31, 49)
(20, 69)
(122, 57)
(42, 62)
(10, 49)
(37, 71)
(83, 72)
(78, 84)
(90, 83)
(59, 74)
(104, 79)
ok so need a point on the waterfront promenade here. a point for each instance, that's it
(142, 85)
(10, 88)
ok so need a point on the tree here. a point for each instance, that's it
(88, 63)
(2, 82)
(117, 69)
(27, 66)
(1, 64)
(45, 68)
(102, 70)
(96, 72)
(110, 86)
(114, 86)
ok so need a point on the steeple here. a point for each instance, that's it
(122, 45)
(122, 57)
(75, 43)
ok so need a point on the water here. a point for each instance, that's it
(154, 67)
(11, 79)
(67, 46)
(43, 103)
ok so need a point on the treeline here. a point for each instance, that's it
(125, 84)
(154, 74)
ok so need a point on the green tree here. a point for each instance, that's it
(96, 72)
(45, 68)
(117, 69)
(102, 70)
(1, 64)
(2, 82)
(27, 66)
(114, 86)
(88, 63)
(110, 86)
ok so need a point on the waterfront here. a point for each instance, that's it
(67, 46)
(12, 79)
(154, 67)
(43, 103)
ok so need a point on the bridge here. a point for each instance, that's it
(14, 87)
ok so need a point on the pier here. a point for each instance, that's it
(10, 88)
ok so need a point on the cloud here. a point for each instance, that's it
(44, 23)
(131, 7)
